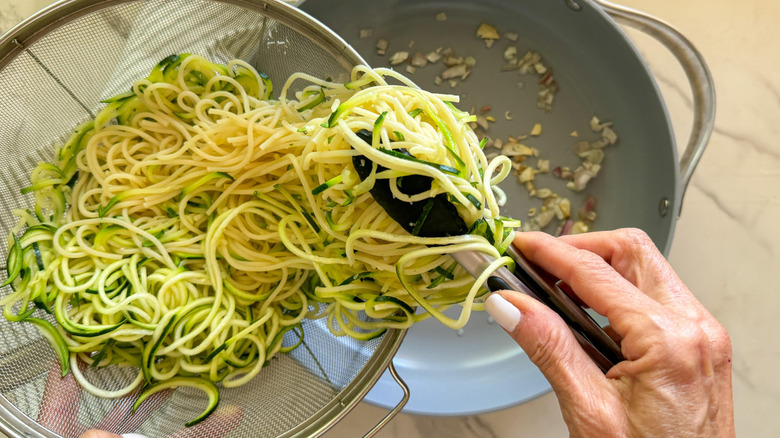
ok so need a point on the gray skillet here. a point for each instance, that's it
(600, 73)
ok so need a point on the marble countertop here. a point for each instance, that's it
(727, 242)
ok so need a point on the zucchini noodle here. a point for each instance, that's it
(196, 221)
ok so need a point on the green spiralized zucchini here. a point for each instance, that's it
(196, 222)
(55, 339)
(206, 386)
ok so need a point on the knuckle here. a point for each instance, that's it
(690, 335)
(638, 257)
(636, 241)
(634, 236)
(686, 349)
(721, 343)
(549, 349)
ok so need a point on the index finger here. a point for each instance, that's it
(593, 279)
(634, 256)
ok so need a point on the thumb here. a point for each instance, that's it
(550, 345)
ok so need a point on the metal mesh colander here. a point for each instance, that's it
(54, 70)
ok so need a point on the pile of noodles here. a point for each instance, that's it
(197, 220)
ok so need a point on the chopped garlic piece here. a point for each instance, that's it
(593, 156)
(579, 227)
(487, 32)
(543, 193)
(526, 175)
(543, 219)
(399, 57)
(597, 126)
(381, 46)
(609, 135)
(452, 60)
(454, 71)
(580, 178)
(433, 57)
(514, 149)
(537, 129)
(588, 216)
(565, 207)
(482, 122)
(441, 16)
(418, 60)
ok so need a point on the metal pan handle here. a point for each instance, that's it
(699, 78)
(386, 419)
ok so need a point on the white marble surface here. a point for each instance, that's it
(727, 244)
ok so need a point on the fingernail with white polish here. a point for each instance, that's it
(504, 312)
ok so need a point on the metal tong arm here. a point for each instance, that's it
(536, 283)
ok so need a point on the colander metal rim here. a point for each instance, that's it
(14, 42)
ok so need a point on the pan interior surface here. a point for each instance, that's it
(600, 73)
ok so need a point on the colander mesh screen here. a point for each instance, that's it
(55, 83)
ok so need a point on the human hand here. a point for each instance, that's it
(218, 424)
(61, 404)
(676, 379)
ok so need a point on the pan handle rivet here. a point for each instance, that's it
(663, 206)
(573, 5)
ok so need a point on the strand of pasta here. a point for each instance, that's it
(199, 232)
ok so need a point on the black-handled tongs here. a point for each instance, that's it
(440, 218)
(535, 282)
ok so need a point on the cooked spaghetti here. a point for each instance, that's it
(196, 220)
